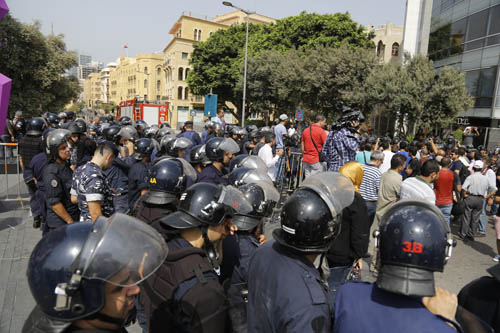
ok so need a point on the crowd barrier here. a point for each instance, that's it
(10, 158)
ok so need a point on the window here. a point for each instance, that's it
(180, 74)
(145, 70)
(158, 71)
(145, 83)
(494, 27)
(481, 85)
(195, 34)
(478, 23)
(186, 73)
(179, 93)
(380, 49)
(158, 85)
(199, 34)
(184, 55)
(395, 50)
(186, 93)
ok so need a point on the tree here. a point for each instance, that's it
(218, 62)
(36, 65)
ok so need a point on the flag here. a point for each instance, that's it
(125, 46)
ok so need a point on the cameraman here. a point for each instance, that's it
(343, 140)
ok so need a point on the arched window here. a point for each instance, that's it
(380, 49)
(158, 85)
(199, 34)
(195, 34)
(158, 71)
(145, 70)
(145, 83)
(179, 93)
(181, 72)
(186, 93)
(186, 73)
(395, 50)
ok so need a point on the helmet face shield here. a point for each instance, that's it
(121, 250)
(229, 145)
(235, 200)
(188, 169)
(253, 162)
(335, 189)
(182, 143)
(271, 197)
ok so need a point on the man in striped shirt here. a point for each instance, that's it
(371, 183)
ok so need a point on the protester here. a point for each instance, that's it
(444, 187)
(370, 185)
(420, 187)
(312, 140)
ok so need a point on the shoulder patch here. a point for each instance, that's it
(53, 183)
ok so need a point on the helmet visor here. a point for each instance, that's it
(189, 171)
(270, 192)
(253, 162)
(229, 145)
(256, 175)
(182, 143)
(122, 250)
(335, 189)
(234, 198)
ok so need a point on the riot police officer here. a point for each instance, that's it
(414, 242)
(90, 188)
(242, 175)
(292, 297)
(139, 172)
(84, 277)
(178, 147)
(198, 159)
(191, 135)
(220, 151)
(117, 175)
(167, 180)
(185, 294)
(239, 248)
(29, 147)
(57, 177)
(19, 125)
(85, 145)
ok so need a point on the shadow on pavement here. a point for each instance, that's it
(10, 222)
(481, 248)
(8, 206)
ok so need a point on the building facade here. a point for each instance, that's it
(417, 27)
(105, 82)
(141, 77)
(186, 32)
(465, 34)
(92, 90)
(388, 39)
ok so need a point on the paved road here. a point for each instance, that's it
(17, 239)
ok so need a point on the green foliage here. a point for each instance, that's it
(218, 62)
(35, 63)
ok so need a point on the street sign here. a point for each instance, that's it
(299, 115)
(192, 112)
(210, 105)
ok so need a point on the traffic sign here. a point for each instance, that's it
(210, 105)
(192, 112)
(299, 115)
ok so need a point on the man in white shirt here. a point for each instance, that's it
(420, 187)
(266, 154)
(219, 117)
(388, 154)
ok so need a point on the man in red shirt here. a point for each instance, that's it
(310, 152)
(443, 187)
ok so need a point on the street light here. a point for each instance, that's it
(248, 13)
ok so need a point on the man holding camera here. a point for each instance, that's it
(313, 139)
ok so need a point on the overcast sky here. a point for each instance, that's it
(101, 28)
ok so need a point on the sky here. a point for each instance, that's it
(101, 28)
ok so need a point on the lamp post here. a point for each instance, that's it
(248, 13)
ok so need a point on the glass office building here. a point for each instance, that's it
(466, 34)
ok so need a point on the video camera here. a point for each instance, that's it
(348, 117)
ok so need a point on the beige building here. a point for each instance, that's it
(92, 90)
(187, 31)
(105, 82)
(141, 77)
(388, 39)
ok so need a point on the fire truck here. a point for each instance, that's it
(150, 113)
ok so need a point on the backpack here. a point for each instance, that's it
(464, 173)
(184, 295)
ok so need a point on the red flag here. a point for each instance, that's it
(125, 46)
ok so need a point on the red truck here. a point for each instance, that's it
(150, 113)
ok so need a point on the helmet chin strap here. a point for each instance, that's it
(210, 250)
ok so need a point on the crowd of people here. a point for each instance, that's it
(142, 224)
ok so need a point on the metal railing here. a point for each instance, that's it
(11, 153)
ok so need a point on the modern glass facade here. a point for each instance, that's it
(466, 34)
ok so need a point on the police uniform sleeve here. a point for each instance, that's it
(139, 175)
(53, 186)
(95, 188)
(196, 139)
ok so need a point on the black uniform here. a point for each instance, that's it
(29, 147)
(212, 175)
(58, 180)
(137, 181)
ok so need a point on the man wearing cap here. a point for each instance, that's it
(191, 135)
(476, 188)
(90, 188)
(280, 131)
(19, 125)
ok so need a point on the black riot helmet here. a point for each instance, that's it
(167, 179)
(125, 121)
(205, 204)
(263, 197)
(127, 133)
(141, 125)
(311, 217)
(197, 154)
(81, 124)
(111, 133)
(70, 114)
(163, 144)
(216, 147)
(174, 146)
(75, 129)
(163, 132)
(240, 176)
(150, 132)
(165, 125)
(143, 148)
(52, 120)
(218, 130)
(413, 242)
(110, 118)
(36, 126)
(55, 139)
(70, 266)
(251, 128)
(246, 161)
